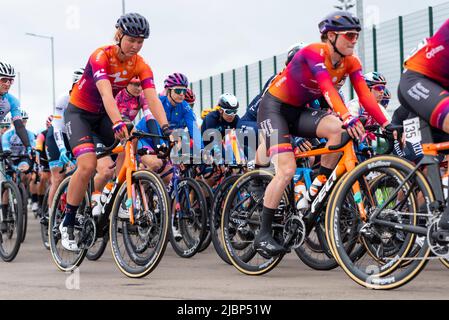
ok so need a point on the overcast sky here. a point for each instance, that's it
(196, 37)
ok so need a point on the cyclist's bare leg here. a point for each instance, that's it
(56, 179)
(153, 163)
(330, 128)
(77, 188)
(105, 172)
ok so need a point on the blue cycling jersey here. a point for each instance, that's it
(181, 116)
(9, 103)
(11, 142)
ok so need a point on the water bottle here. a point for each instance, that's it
(106, 191)
(316, 186)
(300, 196)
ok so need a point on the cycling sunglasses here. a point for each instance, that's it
(6, 80)
(379, 87)
(349, 35)
(230, 112)
(136, 84)
(180, 91)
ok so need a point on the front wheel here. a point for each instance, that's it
(240, 223)
(12, 222)
(188, 222)
(138, 248)
(386, 239)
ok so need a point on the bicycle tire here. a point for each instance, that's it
(10, 255)
(373, 277)
(143, 266)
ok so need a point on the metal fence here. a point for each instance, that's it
(386, 47)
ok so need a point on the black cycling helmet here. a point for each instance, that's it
(340, 21)
(134, 25)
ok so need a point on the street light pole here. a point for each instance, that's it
(123, 7)
(51, 38)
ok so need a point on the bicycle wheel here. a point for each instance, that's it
(209, 195)
(24, 195)
(240, 223)
(96, 251)
(137, 249)
(315, 252)
(65, 260)
(11, 237)
(188, 223)
(216, 214)
(44, 220)
(390, 246)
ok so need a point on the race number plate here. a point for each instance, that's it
(411, 130)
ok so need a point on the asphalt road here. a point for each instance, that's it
(33, 275)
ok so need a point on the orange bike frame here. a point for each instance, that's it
(347, 163)
(125, 175)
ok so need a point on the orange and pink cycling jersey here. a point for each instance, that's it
(311, 75)
(104, 64)
(431, 58)
(129, 105)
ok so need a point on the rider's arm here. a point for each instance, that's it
(366, 98)
(22, 132)
(17, 121)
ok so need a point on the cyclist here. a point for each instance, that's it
(377, 84)
(129, 102)
(318, 70)
(179, 113)
(190, 98)
(58, 148)
(93, 109)
(224, 118)
(424, 90)
(9, 104)
(20, 155)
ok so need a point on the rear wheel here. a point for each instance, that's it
(65, 260)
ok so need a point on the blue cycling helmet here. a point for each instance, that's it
(340, 21)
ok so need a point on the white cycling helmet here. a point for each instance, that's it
(7, 70)
(77, 74)
(228, 101)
